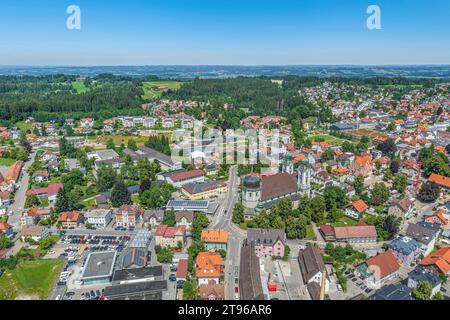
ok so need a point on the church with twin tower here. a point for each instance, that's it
(263, 193)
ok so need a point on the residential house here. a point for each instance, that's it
(49, 192)
(6, 229)
(379, 269)
(440, 217)
(129, 215)
(356, 209)
(87, 123)
(182, 270)
(423, 235)
(405, 249)
(5, 198)
(153, 218)
(424, 274)
(184, 218)
(208, 267)
(402, 208)
(34, 232)
(393, 292)
(70, 220)
(212, 291)
(267, 242)
(313, 270)
(40, 176)
(98, 218)
(439, 261)
(171, 237)
(361, 166)
(215, 240)
(73, 164)
(442, 181)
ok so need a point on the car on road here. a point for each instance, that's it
(172, 277)
(180, 284)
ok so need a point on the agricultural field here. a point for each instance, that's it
(153, 90)
(30, 279)
(80, 87)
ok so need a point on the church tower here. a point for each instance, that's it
(304, 177)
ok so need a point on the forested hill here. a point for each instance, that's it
(59, 96)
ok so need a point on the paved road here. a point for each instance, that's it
(19, 201)
(235, 236)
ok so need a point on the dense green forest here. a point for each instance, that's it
(52, 97)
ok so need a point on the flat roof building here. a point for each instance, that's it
(99, 267)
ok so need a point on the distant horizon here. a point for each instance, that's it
(225, 65)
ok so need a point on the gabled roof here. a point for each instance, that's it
(278, 185)
(440, 180)
(214, 236)
(310, 262)
(360, 206)
(208, 264)
(440, 259)
(355, 232)
(383, 264)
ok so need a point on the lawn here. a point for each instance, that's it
(334, 141)
(6, 162)
(118, 140)
(345, 222)
(30, 278)
(152, 90)
(80, 87)
(24, 126)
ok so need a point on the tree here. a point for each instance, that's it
(110, 144)
(190, 289)
(165, 255)
(73, 178)
(32, 201)
(429, 192)
(335, 197)
(120, 195)
(318, 206)
(348, 147)
(422, 291)
(200, 222)
(327, 155)
(394, 166)
(145, 185)
(391, 126)
(296, 227)
(358, 184)
(132, 145)
(380, 194)
(392, 226)
(388, 148)
(334, 215)
(106, 178)
(169, 218)
(5, 243)
(400, 183)
(238, 213)
(62, 201)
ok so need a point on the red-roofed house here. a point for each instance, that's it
(440, 217)
(50, 192)
(361, 165)
(70, 220)
(182, 270)
(6, 229)
(442, 181)
(356, 209)
(179, 179)
(166, 236)
(356, 234)
(439, 260)
(379, 269)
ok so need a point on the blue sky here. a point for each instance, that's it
(227, 32)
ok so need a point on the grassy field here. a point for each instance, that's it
(118, 140)
(345, 222)
(334, 141)
(403, 86)
(6, 162)
(80, 87)
(153, 90)
(30, 278)
(23, 126)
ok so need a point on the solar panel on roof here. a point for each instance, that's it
(127, 259)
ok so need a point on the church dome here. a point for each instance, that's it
(252, 182)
